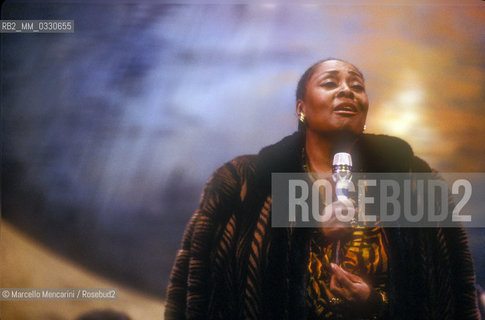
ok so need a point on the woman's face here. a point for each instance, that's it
(335, 99)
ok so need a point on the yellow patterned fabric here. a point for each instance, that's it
(362, 254)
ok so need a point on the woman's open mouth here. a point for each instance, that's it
(345, 109)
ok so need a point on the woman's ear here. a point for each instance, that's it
(300, 107)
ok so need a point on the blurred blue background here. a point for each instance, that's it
(110, 132)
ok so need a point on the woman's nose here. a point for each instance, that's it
(345, 91)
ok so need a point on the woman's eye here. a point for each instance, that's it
(358, 87)
(329, 84)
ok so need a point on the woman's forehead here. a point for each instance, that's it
(337, 67)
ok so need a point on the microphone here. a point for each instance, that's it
(342, 174)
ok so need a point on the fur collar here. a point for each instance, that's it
(372, 153)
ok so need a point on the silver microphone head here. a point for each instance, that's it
(342, 162)
(342, 174)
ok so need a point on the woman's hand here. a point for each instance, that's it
(348, 286)
(335, 228)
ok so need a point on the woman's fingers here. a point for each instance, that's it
(336, 289)
(339, 213)
(337, 217)
(348, 286)
(345, 211)
(342, 278)
(352, 277)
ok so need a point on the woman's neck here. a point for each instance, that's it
(320, 149)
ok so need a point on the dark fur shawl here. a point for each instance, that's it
(233, 265)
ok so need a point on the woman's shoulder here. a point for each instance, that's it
(243, 160)
(235, 170)
(240, 165)
(389, 153)
(386, 143)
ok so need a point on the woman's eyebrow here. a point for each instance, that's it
(331, 71)
(326, 73)
(356, 74)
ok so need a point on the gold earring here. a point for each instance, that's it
(365, 127)
(302, 117)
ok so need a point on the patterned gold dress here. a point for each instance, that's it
(364, 255)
